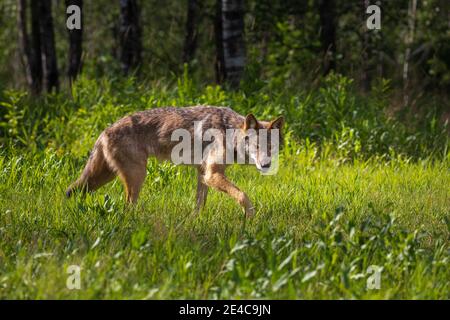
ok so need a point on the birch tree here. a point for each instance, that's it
(230, 45)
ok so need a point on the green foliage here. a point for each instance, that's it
(334, 118)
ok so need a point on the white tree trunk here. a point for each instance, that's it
(232, 19)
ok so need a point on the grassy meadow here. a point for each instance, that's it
(357, 187)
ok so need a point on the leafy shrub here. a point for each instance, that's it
(334, 118)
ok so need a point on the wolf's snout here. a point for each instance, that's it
(265, 165)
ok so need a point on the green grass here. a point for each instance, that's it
(356, 188)
(319, 226)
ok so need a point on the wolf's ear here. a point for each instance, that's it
(250, 122)
(278, 123)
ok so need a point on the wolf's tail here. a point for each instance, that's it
(95, 173)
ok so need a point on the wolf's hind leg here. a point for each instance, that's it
(215, 177)
(132, 176)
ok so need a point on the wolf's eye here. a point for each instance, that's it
(246, 141)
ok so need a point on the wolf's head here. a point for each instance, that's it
(262, 141)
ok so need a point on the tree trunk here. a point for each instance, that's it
(230, 45)
(219, 63)
(380, 60)
(51, 74)
(24, 40)
(75, 45)
(30, 49)
(129, 36)
(190, 41)
(408, 41)
(366, 51)
(327, 14)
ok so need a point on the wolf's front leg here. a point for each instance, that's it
(215, 177)
(202, 190)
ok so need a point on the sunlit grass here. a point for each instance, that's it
(319, 226)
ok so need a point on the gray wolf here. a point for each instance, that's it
(123, 149)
